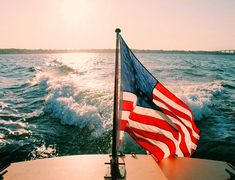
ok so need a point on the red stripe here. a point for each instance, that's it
(148, 120)
(156, 151)
(159, 137)
(169, 113)
(170, 95)
(154, 122)
(183, 145)
(127, 105)
(140, 118)
(123, 124)
(194, 140)
(175, 111)
(178, 113)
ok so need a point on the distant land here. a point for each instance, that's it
(53, 51)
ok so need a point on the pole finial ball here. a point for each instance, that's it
(117, 30)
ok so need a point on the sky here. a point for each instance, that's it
(145, 24)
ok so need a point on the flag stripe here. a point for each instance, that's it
(187, 137)
(176, 115)
(123, 124)
(154, 114)
(171, 96)
(140, 117)
(158, 152)
(151, 129)
(129, 96)
(172, 143)
(151, 120)
(127, 105)
(160, 137)
(146, 127)
(171, 103)
(159, 144)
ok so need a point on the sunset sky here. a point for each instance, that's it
(145, 24)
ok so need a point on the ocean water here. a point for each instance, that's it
(61, 104)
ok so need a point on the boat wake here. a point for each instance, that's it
(199, 96)
(76, 98)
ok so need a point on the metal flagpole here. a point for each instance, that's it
(115, 169)
(114, 160)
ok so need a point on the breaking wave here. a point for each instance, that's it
(198, 96)
(74, 98)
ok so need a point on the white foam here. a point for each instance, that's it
(2, 136)
(79, 88)
(77, 101)
(14, 123)
(20, 131)
(70, 112)
(197, 95)
(43, 152)
(41, 78)
(3, 105)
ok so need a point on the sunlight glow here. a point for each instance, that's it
(74, 12)
(90, 24)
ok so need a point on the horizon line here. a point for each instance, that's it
(57, 51)
(109, 49)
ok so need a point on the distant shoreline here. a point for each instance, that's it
(56, 51)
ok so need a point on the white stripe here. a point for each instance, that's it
(186, 122)
(148, 112)
(154, 129)
(121, 134)
(157, 114)
(172, 103)
(146, 127)
(179, 153)
(129, 96)
(151, 128)
(159, 144)
(194, 147)
(125, 115)
(153, 113)
(188, 140)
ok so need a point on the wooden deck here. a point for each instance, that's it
(92, 167)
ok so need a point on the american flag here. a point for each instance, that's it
(154, 117)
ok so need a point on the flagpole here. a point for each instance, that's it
(114, 160)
